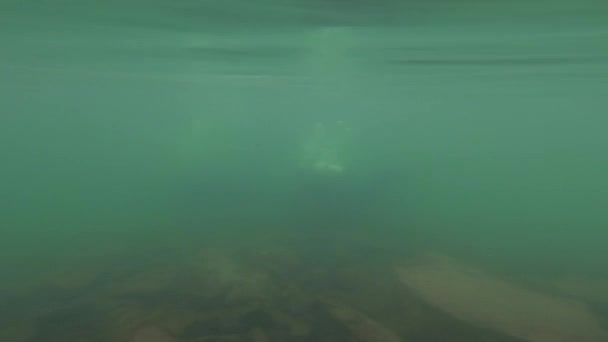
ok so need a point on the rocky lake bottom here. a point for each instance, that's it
(264, 295)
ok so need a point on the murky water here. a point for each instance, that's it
(312, 136)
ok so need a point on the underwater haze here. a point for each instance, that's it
(376, 129)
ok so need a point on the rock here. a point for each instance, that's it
(594, 290)
(258, 335)
(124, 320)
(360, 325)
(217, 274)
(152, 334)
(145, 282)
(176, 321)
(21, 331)
(486, 300)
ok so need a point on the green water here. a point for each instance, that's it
(470, 128)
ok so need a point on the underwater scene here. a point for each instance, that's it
(303, 170)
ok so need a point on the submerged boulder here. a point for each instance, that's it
(486, 300)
